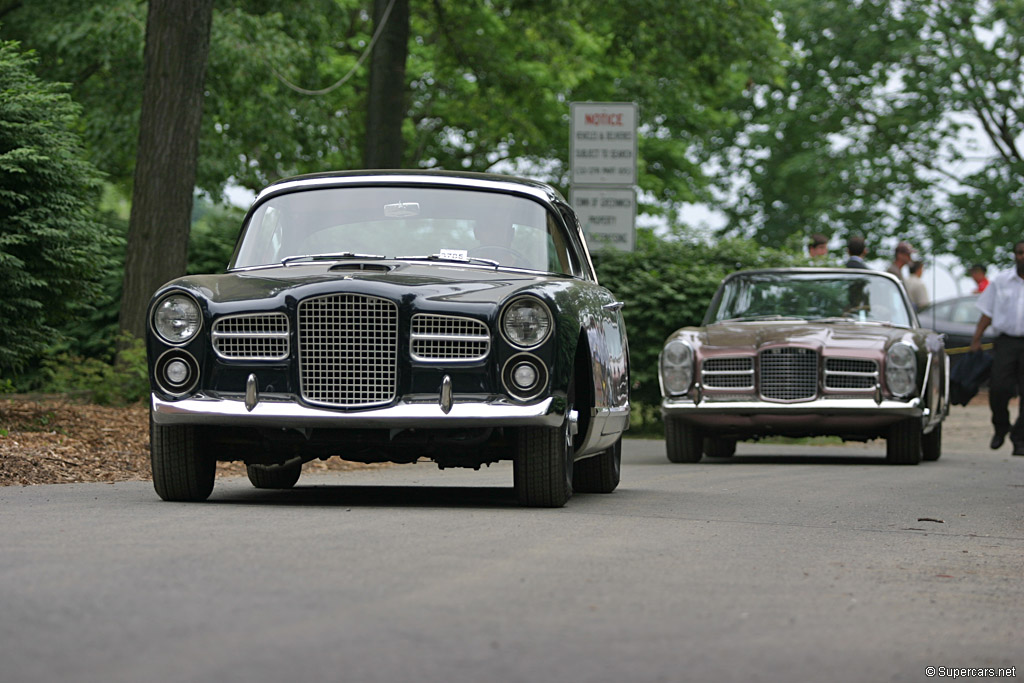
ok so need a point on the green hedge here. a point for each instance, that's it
(667, 284)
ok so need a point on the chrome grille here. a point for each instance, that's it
(448, 338)
(850, 373)
(789, 374)
(255, 336)
(348, 349)
(728, 373)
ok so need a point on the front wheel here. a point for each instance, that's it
(683, 442)
(182, 470)
(903, 447)
(599, 473)
(542, 469)
(931, 444)
(281, 476)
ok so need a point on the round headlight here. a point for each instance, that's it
(176, 318)
(526, 322)
(676, 367)
(901, 369)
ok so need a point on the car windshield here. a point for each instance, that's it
(401, 221)
(810, 296)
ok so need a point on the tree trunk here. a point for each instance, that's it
(385, 106)
(177, 46)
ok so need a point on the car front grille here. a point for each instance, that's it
(850, 373)
(348, 350)
(251, 336)
(728, 373)
(448, 338)
(789, 374)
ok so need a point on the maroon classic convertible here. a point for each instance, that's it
(805, 352)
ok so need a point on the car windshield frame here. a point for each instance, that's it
(760, 296)
(426, 223)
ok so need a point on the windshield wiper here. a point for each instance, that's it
(452, 259)
(327, 257)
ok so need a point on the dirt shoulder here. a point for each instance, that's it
(55, 440)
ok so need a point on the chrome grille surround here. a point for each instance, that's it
(348, 350)
(448, 338)
(728, 373)
(788, 374)
(851, 374)
(251, 336)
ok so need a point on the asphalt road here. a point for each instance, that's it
(784, 563)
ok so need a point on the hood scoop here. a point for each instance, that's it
(361, 268)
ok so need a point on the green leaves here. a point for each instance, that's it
(52, 251)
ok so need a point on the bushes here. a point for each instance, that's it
(52, 250)
(667, 284)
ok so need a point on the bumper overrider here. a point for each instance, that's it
(411, 412)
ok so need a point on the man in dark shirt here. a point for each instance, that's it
(856, 248)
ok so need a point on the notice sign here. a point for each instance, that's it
(607, 216)
(603, 143)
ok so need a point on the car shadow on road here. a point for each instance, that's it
(320, 495)
(799, 459)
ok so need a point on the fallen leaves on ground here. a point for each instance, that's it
(55, 440)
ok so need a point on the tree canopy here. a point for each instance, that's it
(898, 119)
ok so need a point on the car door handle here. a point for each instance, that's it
(614, 306)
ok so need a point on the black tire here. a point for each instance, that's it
(903, 447)
(683, 442)
(281, 476)
(931, 444)
(182, 471)
(543, 466)
(719, 448)
(599, 473)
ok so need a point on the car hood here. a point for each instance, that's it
(839, 335)
(393, 279)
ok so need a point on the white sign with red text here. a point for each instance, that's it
(603, 141)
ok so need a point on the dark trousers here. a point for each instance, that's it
(1007, 377)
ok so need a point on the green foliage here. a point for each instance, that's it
(124, 379)
(212, 240)
(667, 284)
(53, 252)
(488, 83)
(898, 119)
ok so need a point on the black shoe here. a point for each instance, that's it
(998, 438)
(1018, 448)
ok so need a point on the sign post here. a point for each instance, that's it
(603, 153)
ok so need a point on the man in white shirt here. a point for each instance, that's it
(916, 288)
(1002, 307)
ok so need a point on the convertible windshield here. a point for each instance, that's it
(810, 296)
(432, 223)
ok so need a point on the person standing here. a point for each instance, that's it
(856, 248)
(980, 277)
(902, 256)
(817, 248)
(916, 288)
(1002, 307)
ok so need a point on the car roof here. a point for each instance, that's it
(423, 177)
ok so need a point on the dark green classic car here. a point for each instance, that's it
(393, 316)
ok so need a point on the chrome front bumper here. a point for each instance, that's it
(426, 413)
(824, 406)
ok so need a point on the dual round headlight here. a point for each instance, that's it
(177, 318)
(526, 322)
(901, 369)
(676, 367)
